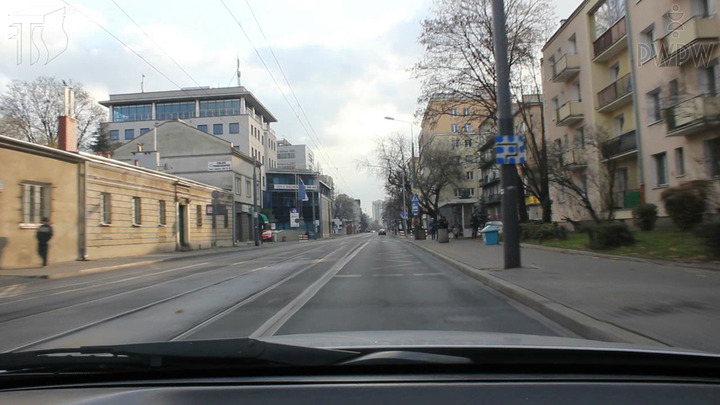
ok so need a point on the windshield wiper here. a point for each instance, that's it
(183, 354)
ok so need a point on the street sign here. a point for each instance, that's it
(294, 219)
(220, 166)
(415, 209)
(415, 198)
(510, 150)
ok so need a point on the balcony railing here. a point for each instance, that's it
(487, 159)
(628, 199)
(620, 145)
(610, 38)
(609, 97)
(566, 67)
(494, 198)
(692, 41)
(576, 158)
(569, 113)
(693, 115)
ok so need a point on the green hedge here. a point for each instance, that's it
(645, 216)
(686, 204)
(610, 235)
(540, 231)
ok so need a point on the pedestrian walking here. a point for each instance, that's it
(456, 231)
(433, 229)
(44, 234)
(475, 222)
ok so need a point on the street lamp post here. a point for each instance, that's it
(416, 232)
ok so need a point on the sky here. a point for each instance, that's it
(346, 62)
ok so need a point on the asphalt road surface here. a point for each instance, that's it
(355, 283)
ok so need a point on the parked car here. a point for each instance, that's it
(267, 235)
(496, 224)
(382, 232)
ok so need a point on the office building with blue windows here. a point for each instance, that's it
(290, 214)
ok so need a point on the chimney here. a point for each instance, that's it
(67, 125)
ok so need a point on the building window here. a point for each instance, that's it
(679, 162)
(580, 138)
(660, 161)
(653, 102)
(708, 78)
(647, 48)
(247, 187)
(199, 215)
(203, 127)
(455, 128)
(132, 113)
(163, 213)
(217, 129)
(129, 134)
(169, 111)
(137, 211)
(35, 203)
(469, 175)
(561, 194)
(114, 135)
(712, 157)
(453, 112)
(467, 111)
(234, 128)
(618, 124)
(226, 222)
(469, 158)
(674, 90)
(143, 130)
(105, 209)
(214, 108)
(584, 183)
(455, 159)
(467, 128)
(238, 185)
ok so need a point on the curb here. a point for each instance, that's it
(573, 320)
(618, 257)
(142, 263)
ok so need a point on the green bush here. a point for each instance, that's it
(610, 235)
(645, 216)
(687, 203)
(710, 233)
(540, 231)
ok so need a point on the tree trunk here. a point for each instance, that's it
(522, 208)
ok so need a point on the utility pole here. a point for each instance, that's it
(508, 173)
(256, 214)
(404, 221)
(416, 220)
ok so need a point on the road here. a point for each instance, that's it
(355, 283)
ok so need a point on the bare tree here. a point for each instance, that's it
(587, 175)
(392, 165)
(436, 171)
(30, 111)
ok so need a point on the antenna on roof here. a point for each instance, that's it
(238, 71)
(142, 84)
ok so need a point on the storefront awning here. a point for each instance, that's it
(263, 219)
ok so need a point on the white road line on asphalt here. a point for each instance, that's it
(387, 275)
(12, 290)
(272, 325)
(348, 275)
(396, 265)
(427, 274)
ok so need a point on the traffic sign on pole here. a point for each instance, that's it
(510, 150)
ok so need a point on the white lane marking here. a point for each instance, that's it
(12, 290)
(272, 325)
(348, 275)
(396, 265)
(387, 275)
(427, 274)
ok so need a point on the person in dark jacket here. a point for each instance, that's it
(44, 234)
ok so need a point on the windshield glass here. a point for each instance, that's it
(339, 174)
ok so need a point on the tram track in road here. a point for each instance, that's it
(87, 325)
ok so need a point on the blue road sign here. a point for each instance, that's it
(510, 150)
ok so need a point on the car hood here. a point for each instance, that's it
(423, 338)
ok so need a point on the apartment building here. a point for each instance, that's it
(295, 157)
(230, 113)
(455, 126)
(631, 95)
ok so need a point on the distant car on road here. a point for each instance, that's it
(267, 235)
(382, 232)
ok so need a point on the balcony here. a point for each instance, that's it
(692, 41)
(616, 95)
(576, 158)
(694, 115)
(619, 146)
(628, 199)
(489, 180)
(611, 43)
(565, 68)
(569, 113)
(487, 159)
(494, 198)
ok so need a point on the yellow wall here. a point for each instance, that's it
(20, 246)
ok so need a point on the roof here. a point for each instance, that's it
(77, 157)
(190, 94)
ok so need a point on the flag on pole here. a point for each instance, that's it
(303, 194)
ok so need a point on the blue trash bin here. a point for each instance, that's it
(491, 235)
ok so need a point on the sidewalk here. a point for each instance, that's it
(76, 268)
(600, 297)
